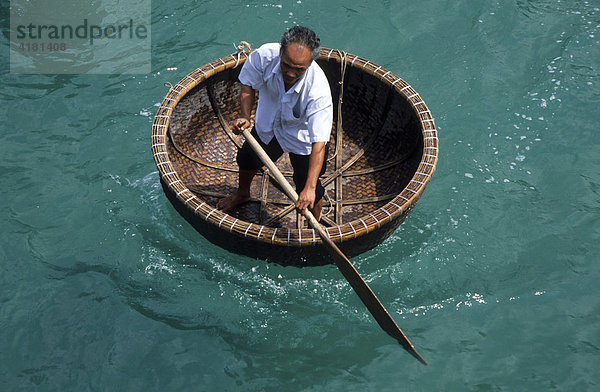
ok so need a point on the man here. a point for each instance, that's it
(294, 115)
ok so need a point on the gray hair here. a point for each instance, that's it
(301, 35)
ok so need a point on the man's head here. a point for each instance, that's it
(299, 47)
(304, 36)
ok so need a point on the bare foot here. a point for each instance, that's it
(232, 201)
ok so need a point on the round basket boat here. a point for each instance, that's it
(379, 161)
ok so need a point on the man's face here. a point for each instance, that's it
(294, 62)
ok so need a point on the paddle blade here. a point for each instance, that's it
(366, 295)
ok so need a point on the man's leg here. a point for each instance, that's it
(300, 165)
(249, 163)
(243, 192)
(316, 211)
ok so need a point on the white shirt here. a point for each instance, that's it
(298, 117)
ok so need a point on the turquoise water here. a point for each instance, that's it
(494, 275)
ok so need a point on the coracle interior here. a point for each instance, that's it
(381, 142)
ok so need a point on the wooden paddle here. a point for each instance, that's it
(361, 288)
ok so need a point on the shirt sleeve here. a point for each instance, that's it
(320, 120)
(252, 71)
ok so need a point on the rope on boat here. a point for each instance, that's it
(242, 48)
(338, 142)
(343, 63)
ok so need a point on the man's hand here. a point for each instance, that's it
(247, 95)
(240, 125)
(306, 199)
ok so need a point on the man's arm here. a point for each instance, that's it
(247, 97)
(306, 198)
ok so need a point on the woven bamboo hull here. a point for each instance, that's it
(389, 150)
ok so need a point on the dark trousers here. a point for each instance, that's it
(248, 160)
